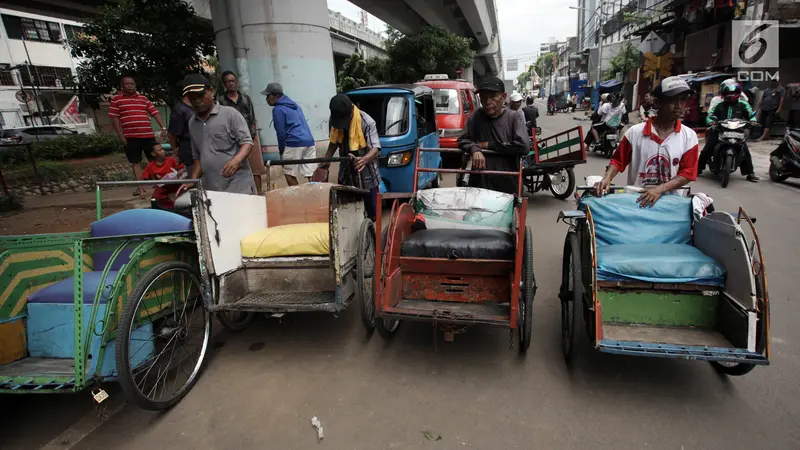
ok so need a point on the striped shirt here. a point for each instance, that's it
(134, 113)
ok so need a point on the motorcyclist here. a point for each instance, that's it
(610, 116)
(732, 107)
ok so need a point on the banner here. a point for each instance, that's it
(512, 65)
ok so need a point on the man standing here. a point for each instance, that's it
(354, 133)
(493, 128)
(221, 141)
(294, 137)
(131, 111)
(178, 130)
(660, 154)
(794, 107)
(515, 101)
(531, 113)
(244, 104)
(770, 106)
(646, 110)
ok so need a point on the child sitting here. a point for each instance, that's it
(162, 167)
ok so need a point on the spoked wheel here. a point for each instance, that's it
(570, 293)
(386, 327)
(162, 337)
(365, 274)
(562, 183)
(526, 294)
(235, 321)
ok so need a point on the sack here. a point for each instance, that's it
(299, 239)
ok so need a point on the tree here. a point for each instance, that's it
(431, 50)
(377, 70)
(156, 41)
(353, 74)
(544, 64)
(524, 77)
(627, 59)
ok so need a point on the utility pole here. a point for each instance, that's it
(600, 44)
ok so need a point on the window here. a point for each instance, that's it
(466, 102)
(446, 101)
(390, 112)
(32, 29)
(46, 76)
(41, 131)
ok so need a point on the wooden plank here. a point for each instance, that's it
(13, 343)
(299, 279)
(665, 335)
(305, 203)
(662, 308)
(39, 366)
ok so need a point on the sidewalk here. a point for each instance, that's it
(121, 196)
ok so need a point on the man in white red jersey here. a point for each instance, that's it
(130, 111)
(661, 153)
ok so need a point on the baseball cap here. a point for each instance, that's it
(491, 84)
(341, 111)
(273, 88)
(515, 97)
(671, 87)
(194, 82)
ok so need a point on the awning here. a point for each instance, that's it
(610, 84)
(699, 78)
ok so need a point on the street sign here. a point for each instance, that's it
(657, 67)
(22, 96)
(512, 65)
(459, 71)
(652, 43)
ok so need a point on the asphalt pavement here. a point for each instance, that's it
(476, 392)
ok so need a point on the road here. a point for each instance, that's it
(474, 392)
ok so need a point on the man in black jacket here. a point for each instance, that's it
(531, 114)
(494, 128)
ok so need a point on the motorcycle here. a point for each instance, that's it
(729, 151)
(784, 161)
(608, 141)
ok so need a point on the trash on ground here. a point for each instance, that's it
(431, 435)
(318, 425)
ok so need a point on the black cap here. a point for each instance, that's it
(341, 111)
(491, 84)
(194, 82)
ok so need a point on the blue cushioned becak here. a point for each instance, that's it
(657, 263)
(618, 219)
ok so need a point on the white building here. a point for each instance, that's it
(40, 73)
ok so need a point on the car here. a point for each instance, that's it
(455, 101)
(27, 135)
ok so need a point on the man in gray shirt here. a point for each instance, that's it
(221, 141)
(770, 106)
(493, 127)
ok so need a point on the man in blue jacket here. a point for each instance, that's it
(294, 137)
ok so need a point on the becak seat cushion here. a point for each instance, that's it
(62, 292)
(657, 263)
(459, 244)
(299, 239)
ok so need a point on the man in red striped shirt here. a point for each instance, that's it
(130, 111)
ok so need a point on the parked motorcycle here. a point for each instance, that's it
(729, 151)
(784, 161)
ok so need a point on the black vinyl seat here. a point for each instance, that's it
(459, 244)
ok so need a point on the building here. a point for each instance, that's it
(36, 73)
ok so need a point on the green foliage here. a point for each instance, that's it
(353, 74)
(524, 77)
(11, 202)
(377, 70)
(627, 59)
(431, 50)
(52, 170)
(544, 64)
(156, 41)
(64, 147)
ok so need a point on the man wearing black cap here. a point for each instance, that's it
(354, 133)
(493, 128)
(221, 141)
(661, 153)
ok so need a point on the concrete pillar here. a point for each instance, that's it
(289, 42)
(222, 34)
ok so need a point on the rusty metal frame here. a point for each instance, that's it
(760, 273)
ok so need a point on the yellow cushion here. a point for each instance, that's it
(288, 240)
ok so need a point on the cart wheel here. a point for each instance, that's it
(571, 292)
(732, 368)
(527, 293)
(562, 183)
(386, 327)
(234, 321)
(365, 274)
(163, 336)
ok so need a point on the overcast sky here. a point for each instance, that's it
(524, 24)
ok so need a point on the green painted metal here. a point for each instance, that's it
(77, 294)
(555, 147)
(99, 202)
(660, 308)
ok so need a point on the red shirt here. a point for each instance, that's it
(134, 113)
(153, 171)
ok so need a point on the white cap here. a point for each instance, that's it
(515, 97)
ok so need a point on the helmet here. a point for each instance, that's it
(610, 98)
(728, 88)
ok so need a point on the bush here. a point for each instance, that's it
(66, 147)
(11, 202)
(52, 170)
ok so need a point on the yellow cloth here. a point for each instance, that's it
(357, 141)
(288, 240)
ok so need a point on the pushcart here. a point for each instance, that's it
(471, 264)
(664, 282)
(119, 302)
(551, 163)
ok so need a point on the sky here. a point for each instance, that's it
(524, 24)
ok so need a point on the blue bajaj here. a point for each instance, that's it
(406, 119)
